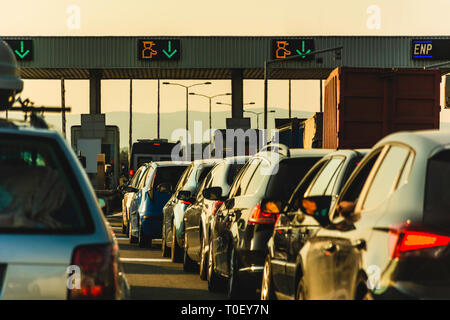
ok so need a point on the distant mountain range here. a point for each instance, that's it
(145, 126)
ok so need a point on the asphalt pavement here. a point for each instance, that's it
(154, 277)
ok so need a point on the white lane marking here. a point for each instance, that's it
(155, 241)
(144, 260)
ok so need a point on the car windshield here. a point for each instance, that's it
(38, 190)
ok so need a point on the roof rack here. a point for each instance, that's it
(36, 120)
(276, 147)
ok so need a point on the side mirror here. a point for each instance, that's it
(184, 195)
(213, 193)
(102, 204)
(164, 188)
(317, 207)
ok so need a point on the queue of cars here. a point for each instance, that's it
(318, 224)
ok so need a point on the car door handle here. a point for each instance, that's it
(360, 244)
(330, 248)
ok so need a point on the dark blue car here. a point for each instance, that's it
(154, 190)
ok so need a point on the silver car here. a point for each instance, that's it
(54, 241)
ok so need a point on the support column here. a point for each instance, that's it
(237, 91)
(95, 77)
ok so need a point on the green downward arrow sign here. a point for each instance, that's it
(303, 52)
(170, 53)
(21, 54)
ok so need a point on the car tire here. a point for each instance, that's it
(133, 239)
(144, 241)
(212, 277)
(300, 292)
(267, 292)
(204, 256)
(164, 248)
(176, 250)
(124, 227)
(189, 265)
(234, 290)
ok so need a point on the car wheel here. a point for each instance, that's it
(175, 254)
(212, 277)
(234, 283)
(266, 286)
(144, 241)
(204, 256)
(133, 239)
(164, 248)
(300, 292)
(188, 264)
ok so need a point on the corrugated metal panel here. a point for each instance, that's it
(77, 54)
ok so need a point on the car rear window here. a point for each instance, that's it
(38, 189)
(290, 172)
(233, 170)
(437, 191)
(168, 175)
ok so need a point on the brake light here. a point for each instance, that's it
(157, 144)
(131, 172)
(98, 266)
(216, 207)
(266, 216)
(406, 242)
(186, 202)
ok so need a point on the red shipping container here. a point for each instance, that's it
(362, 105)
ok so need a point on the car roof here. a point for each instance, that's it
(299, 153)
(24, 128)
(425, 140)
(347, 152)
(170, 163)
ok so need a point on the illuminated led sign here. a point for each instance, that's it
(430, 49)
(283, 48)
(159, 50)
(23, 49)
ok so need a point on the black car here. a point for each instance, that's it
(292, 228)
(388, 236)
(173, 212)
(244, 223)
(198, 216)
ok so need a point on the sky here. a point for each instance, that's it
(214, 18)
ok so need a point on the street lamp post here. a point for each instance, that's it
(210, 99)
(229, 104)
(257, 115)
(187, 105)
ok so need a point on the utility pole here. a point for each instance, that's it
(290, 107)
(63, 106)
(158, 111)
(130, 140)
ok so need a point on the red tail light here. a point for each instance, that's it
(98, 266)
(408, 242)
(131, 172)
(259, 216)
(216, 207)
(186, 202)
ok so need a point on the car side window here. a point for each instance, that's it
(245, 177)
(146, 178)
(353, 190)
(257, 178)
(299, 192)
(325, 180)
(386, 177)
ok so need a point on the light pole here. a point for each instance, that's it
(187, 105)
(229, 104)
(210, 99)
(257, 116)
